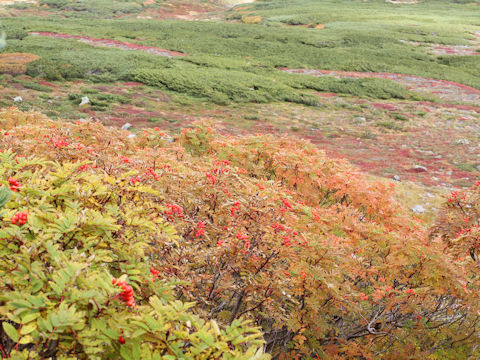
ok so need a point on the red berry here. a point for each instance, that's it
(121, 339)
(20, 218)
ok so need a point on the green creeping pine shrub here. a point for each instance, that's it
(222, 86)
(82, 230)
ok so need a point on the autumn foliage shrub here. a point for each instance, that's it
(458, 226)
(15, 63)
(256, 228)
(75, 270)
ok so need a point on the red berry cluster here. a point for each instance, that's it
(234, 208)
(200, 229)
(152, 172)
(14, 184)
(212, 178)
(60, 143)
(362, 296)
(154, 273)
(167, 168)
(455, 195)
(19, 218)
(221, 162)
(243, 237)
(121, 339)
(135, 179)
(127, 294)
(304, 274)
(286, 241)
(289, 237)
(174, 210)
(286, 204)
(410, 291)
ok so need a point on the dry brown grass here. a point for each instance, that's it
(251, 19)
(15, 63)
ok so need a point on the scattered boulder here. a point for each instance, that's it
(126, 126)
(419, 168)
(418, 209)
(17, 99)
(85, 101)
(463, 142)
(396, 178)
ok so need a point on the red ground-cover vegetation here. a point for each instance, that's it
(112, 43)
(447, 90)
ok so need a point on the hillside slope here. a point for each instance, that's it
(325, 262)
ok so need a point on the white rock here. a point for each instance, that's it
(85, 100)
(396, 178)
(463, 142)
(17, 99)
(419, 168)
(126, 126)
(130, 136)
(418, 209)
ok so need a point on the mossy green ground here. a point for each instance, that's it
(227, 59)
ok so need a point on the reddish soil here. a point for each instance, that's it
(182, 11)
(443, 89)
(370, 134)
(458, 50)
(112, 43)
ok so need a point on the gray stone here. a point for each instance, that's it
(418, 209)
(17, 99)
(126, 126)
(463, 142)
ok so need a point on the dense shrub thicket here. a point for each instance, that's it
(68, 237)
(254, 228)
